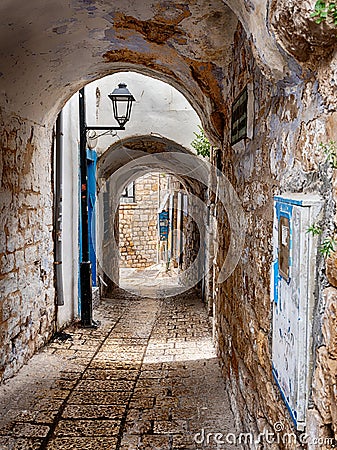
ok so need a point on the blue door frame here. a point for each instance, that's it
(91, 163)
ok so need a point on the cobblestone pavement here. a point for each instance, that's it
(147, 378)
(154, 281)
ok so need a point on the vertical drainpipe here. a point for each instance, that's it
(58, 209)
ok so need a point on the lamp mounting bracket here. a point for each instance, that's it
(103, 128)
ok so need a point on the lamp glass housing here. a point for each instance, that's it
(122, 101)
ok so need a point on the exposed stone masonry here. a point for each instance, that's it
(26, 244)
(324, 393)
(138, 225)
(280, 158)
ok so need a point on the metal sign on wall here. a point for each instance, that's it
(293, 286)
(163, 225)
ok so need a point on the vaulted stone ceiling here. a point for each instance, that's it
(130, 158)
(48, 50)
(130, 149)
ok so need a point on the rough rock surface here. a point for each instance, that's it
(26, 244)
(299, 33)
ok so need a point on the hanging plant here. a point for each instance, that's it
(328, 247)
(315, 230)
(325, 11)
(201, 144)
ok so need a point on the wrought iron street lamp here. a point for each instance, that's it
(122, 101)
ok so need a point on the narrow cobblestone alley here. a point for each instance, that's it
(147, 378)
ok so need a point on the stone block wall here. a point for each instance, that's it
(138, 225)
(27, 311)
(193, 242)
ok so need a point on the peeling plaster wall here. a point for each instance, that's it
(58, 50)
(284, 155)
(27, 311)
(299, 34)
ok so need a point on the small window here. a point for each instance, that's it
(128, 195)
(239, 117)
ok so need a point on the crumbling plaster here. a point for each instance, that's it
(290, 121)
(55, 50)
(297, 32)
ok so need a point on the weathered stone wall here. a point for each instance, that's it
(27, 311)
(138, 225)
(290, 121)
(323, 415)
(210, 234)
(193, 228)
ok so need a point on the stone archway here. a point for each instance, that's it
(57, 51)
(134, 157)
(209, 55)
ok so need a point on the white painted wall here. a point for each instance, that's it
(70, 212)
(159, 109)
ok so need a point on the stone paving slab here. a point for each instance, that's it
(146, 379)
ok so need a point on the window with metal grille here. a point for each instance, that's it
(239, 117)
(128, 195)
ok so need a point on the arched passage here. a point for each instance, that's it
(137, 156)
(49, 52)
(153, 241)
